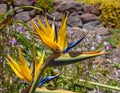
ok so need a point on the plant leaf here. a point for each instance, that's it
(23, 40)
(66, 59)
(74, 43)
(47, 79)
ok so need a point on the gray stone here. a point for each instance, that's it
(88, 17)
(22, 2)
(74, 20)
(92, 25)
(103, 31)
(57, 2)
(33, 13)
(90, 8)
(74, 33)
(18, 2)
(24, 16)
(3, 8)
(69, 6)
(57, 15)
(72, 30)
(60, 1)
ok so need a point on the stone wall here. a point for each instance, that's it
(81, 16)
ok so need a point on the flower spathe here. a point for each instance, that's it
(47, 34)
(21, 68)
(46, 79)
(58, 42)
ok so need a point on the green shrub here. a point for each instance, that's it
(89, 1)
(110, 13)
(46, 5)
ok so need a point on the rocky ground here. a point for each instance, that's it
(82, 18)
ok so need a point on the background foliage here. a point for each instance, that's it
(110, 11)
(46, 5)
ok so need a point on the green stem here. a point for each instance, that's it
(21, 7)
(101, 85)
(39, 77)
(44, 66)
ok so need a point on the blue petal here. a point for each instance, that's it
(72, 44)
(46, 79)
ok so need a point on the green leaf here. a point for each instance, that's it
(66, 59)
(23, 40)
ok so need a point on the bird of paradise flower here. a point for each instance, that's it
(21, 68)
(57, 42)
(47, 35)
(24, 72)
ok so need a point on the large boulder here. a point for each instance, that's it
(69, 6)
(57, 15)
(103, 31)
(24, 16)
(88, 17)
(92, 25)
(90, 8)
(57, 2)
(22, 2)
(74, 33)
(74, 20)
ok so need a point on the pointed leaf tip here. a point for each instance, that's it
(74, 43)
(46, 79)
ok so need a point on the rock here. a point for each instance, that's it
(74, 20)
(103, 31)
(90, 8)
(73, 30)
(33, 13)
(57, 2)
(57, 15)
(3, 8)
(74, 33)
(80, 12)
(69, 6)
(18, 2)
(92, 25)
(24, 16)
(22, 2)
(88, 17)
